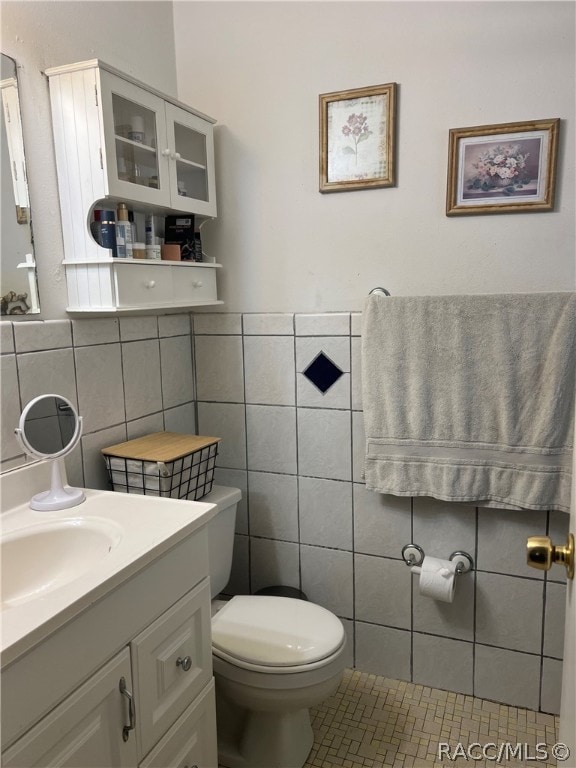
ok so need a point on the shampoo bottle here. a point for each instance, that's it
(124, 242)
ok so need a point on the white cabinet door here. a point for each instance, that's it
(192, 177)
(172, 663)
(137, 154)
(191, 742)
(156, 152)
(86, 729)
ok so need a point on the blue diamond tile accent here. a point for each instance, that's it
(322, 372)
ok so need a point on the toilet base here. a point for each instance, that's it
(249, 739)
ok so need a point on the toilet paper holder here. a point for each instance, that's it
(413, 554)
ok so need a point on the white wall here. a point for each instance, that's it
(259, 67)
(136, 37)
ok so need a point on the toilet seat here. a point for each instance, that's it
(276, 634)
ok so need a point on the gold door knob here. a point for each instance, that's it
(542, 554)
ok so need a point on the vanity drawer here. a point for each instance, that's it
(172, 663)
(192, 739)
(193, 284)
(140, 285)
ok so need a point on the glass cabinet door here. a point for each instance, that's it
(136, 147)
(192, 161)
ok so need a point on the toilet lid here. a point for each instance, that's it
(276, 631)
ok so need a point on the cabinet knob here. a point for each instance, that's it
(150, 283)
(185, 663)
(197, 284)
(176, 155)
(166, 152)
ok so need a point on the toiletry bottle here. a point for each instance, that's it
(123, 233)
(95, 225)
(149, 229)
(107, 231)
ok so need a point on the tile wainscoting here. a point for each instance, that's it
(293, 440)
(291, 424)
(126, 376)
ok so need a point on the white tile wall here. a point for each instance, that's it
(227, 421)
(324, 443)
(327, 578)
(269, 370)
(273, 563)
(104, 330)
(325, 511)
(100, 385)
(142, 381)
(220, 360)
(120, 389)
(512, 678)
(10, 408)
(176, 370)
(443, 663)
(271, 438)
(383, 650)
(52, 372)
(34, 336)
(509, 612)
(275, 324)
(382, 591)
(136, 328)
(273, 505)
(342, 544)
(306, 519)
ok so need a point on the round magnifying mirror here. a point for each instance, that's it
(49, 428)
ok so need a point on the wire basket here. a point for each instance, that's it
(146, 465)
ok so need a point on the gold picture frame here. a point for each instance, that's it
(505, 168)
(357, 138)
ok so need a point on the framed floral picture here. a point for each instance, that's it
(357, 135)
(503, 168)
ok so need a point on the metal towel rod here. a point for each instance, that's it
(380, 290)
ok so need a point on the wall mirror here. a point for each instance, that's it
(50, 428)
(18, 283)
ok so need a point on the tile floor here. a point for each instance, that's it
(374, 722)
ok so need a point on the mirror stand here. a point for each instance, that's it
(50, 428)
(59, 496)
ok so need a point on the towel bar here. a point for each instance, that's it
(380, 290)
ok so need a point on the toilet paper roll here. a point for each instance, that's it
(437, 578)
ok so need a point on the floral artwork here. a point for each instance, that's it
(356, 139)
(356, 153)
(502, 168)
(356, 129)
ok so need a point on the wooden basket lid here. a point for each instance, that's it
(160, 446)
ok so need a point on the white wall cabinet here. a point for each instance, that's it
(163, 714)
(117, 140)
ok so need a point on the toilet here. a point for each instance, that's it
(273, 657)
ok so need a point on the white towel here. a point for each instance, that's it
(470, 398)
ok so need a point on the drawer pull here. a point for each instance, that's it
(131, 713)
(150, 283)
(185, 663)
(197, 284)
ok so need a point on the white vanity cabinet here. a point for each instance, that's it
(86, 729)
(117, 140)
(128, 682)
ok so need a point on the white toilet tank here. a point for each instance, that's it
(221, 535)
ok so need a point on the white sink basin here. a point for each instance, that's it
(40, 558)
(55, 564)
